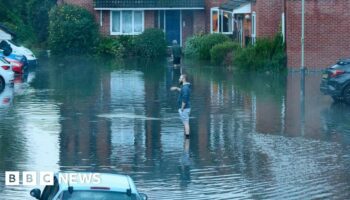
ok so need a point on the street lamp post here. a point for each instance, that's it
(302, 33)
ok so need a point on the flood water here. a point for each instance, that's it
(253, 136)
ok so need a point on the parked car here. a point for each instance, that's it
(111, 186)
(6, 73)
(336, 81)
(21, 50)
(19, 62)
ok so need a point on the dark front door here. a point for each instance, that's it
(172, 26)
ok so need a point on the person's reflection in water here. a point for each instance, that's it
(176, 73)
(185, 165)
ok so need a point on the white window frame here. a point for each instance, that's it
(220, 15)
(121, 22)
(253, 28)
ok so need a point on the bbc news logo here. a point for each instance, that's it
(31, 178)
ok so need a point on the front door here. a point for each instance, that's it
(172, 26)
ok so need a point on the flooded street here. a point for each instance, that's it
(253, 136)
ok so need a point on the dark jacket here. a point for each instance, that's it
(184, 96)
(176, 50)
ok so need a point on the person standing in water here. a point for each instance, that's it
(184, 102)
(176, 53)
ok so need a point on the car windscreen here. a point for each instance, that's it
(13, 43)
(96, 195)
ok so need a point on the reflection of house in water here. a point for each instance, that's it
(85, 138)
(127, 103)
(40, 121)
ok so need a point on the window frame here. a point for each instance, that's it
(253, 28)
(121, 22)
(220, 20)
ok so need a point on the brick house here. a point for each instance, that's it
(178, 18)
(327, 30)
(326, 22)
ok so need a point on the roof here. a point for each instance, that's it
(233, 4)
(115, 182)
(149, 4)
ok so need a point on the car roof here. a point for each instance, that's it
(116, 182)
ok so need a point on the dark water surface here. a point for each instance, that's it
(252, 136)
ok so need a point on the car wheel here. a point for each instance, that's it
(2, 84)
(346, 94)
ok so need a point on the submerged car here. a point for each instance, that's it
(6, 73)
(336, 81)
(110, 186)
(21, 50)
(19, 62)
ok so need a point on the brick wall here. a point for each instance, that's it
(327, 32)
(105, 28)
(268, 17)
(88, 4)
(149, 19)
(187, 25)
(208, 5)
(199, 21)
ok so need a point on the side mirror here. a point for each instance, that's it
(143, 196)
(36, 193)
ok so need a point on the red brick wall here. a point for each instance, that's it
(187, 25)
(327, 32)
(268, 17)
(149, 19)
(88, 4)
(105, 28)
(199, 21)
(208, 5)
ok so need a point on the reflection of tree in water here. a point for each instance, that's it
(85, 138)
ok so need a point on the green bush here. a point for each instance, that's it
(72, 30)
(221, 53)
(121, 46)
(150, 44)
(192, 46)
(207, 42)
(266, 54)
(108, 46)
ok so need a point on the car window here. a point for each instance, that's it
(50, 191)
(97, 195)
(46, 192)
(54, 190)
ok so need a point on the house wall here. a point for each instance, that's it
(199, 21)
(105, 28)
(208, 5)
(187, 25)
(327, 32)
(268, 17)
(149, 19)
(88, 4)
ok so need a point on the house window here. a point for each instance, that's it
(127, 22)
(221, 21)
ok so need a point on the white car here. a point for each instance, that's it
(108, 186)
(6, 73)
(21, 50)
